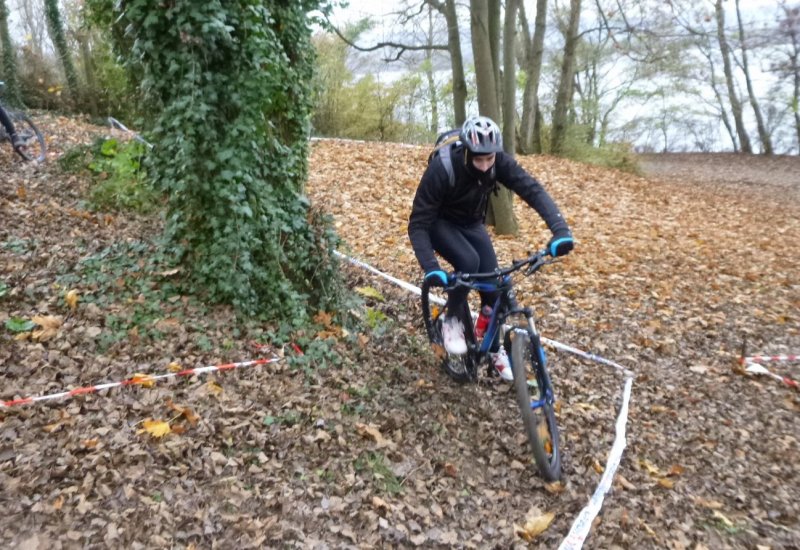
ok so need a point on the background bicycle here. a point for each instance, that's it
(33, 144)
(533, 388)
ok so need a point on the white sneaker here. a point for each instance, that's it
(502, 365)
(453, 334)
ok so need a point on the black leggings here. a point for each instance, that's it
(6, 121)
(469, 250)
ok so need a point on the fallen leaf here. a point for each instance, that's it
(371, 432)
(90, 443)
(708, 503)
(598, 467)
(50, 325)
(214, 388)
(185, 412)
(676, 470)
(71, 299)
(450, 470)
(174, 367)
(666, 483)
(534, 526)
(723, 519)
(145, 380)
(380, 505)
(156, 428)
(627, 485)
(650, 467)
(555, 488)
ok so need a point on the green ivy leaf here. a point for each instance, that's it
(3, 289)
(18, 324)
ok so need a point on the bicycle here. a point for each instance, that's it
(533, 387)
(33, 144)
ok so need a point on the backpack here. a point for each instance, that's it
(442, 148)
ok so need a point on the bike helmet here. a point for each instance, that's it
(481, 136)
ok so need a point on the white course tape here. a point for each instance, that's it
(583, 523)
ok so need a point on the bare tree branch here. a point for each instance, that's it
(401, 48)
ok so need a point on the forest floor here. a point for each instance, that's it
(364, 442)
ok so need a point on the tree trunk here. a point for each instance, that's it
(500, 212)
(12, 95)
(88, 69)
(565, 86)
(448, 9)
(488, 102)
(56, 28)
(509, 77)
(763, 134)
(736, 106)
(433, 96)
(494, 43)
(726, 121)
(531, 141)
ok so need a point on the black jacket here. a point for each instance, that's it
(465, 202)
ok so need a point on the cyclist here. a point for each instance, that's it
(5, 120)
(447, 217)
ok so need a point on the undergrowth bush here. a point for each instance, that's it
(610, 155)
(119, 180)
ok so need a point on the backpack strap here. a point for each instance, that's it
(444, 142)
(447, 162)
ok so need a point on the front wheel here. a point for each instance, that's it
(461, 368)
(33, 145)
(535, 400)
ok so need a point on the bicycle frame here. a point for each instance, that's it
(504, 307)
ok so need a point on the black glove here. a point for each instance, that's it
(561, 243)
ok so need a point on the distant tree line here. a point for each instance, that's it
(571, 77)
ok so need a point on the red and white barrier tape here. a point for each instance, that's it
(755, 368)
(770, 359)
(134, 380)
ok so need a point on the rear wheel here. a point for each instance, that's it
(33, 146)
(535, 400)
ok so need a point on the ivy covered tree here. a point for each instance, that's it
(228, 82)
(9, 60)
(57, 35)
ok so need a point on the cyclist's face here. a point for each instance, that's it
(483, 162)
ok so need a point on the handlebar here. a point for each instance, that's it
(532, 263)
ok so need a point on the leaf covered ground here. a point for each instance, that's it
(363, 442)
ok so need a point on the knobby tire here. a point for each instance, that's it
(539, 423)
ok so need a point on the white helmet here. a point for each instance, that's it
(481, 136)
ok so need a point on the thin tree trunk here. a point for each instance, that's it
(448, 9)
(763, 134)
(88, 69)
(432, 94)
(736, 106)
(531, 140)
(9, 59)
(56, 28)
(494, 42)
(565, 86)
(509, 77)
(726, 121)
(500, 213)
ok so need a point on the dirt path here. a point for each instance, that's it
(777, 176)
